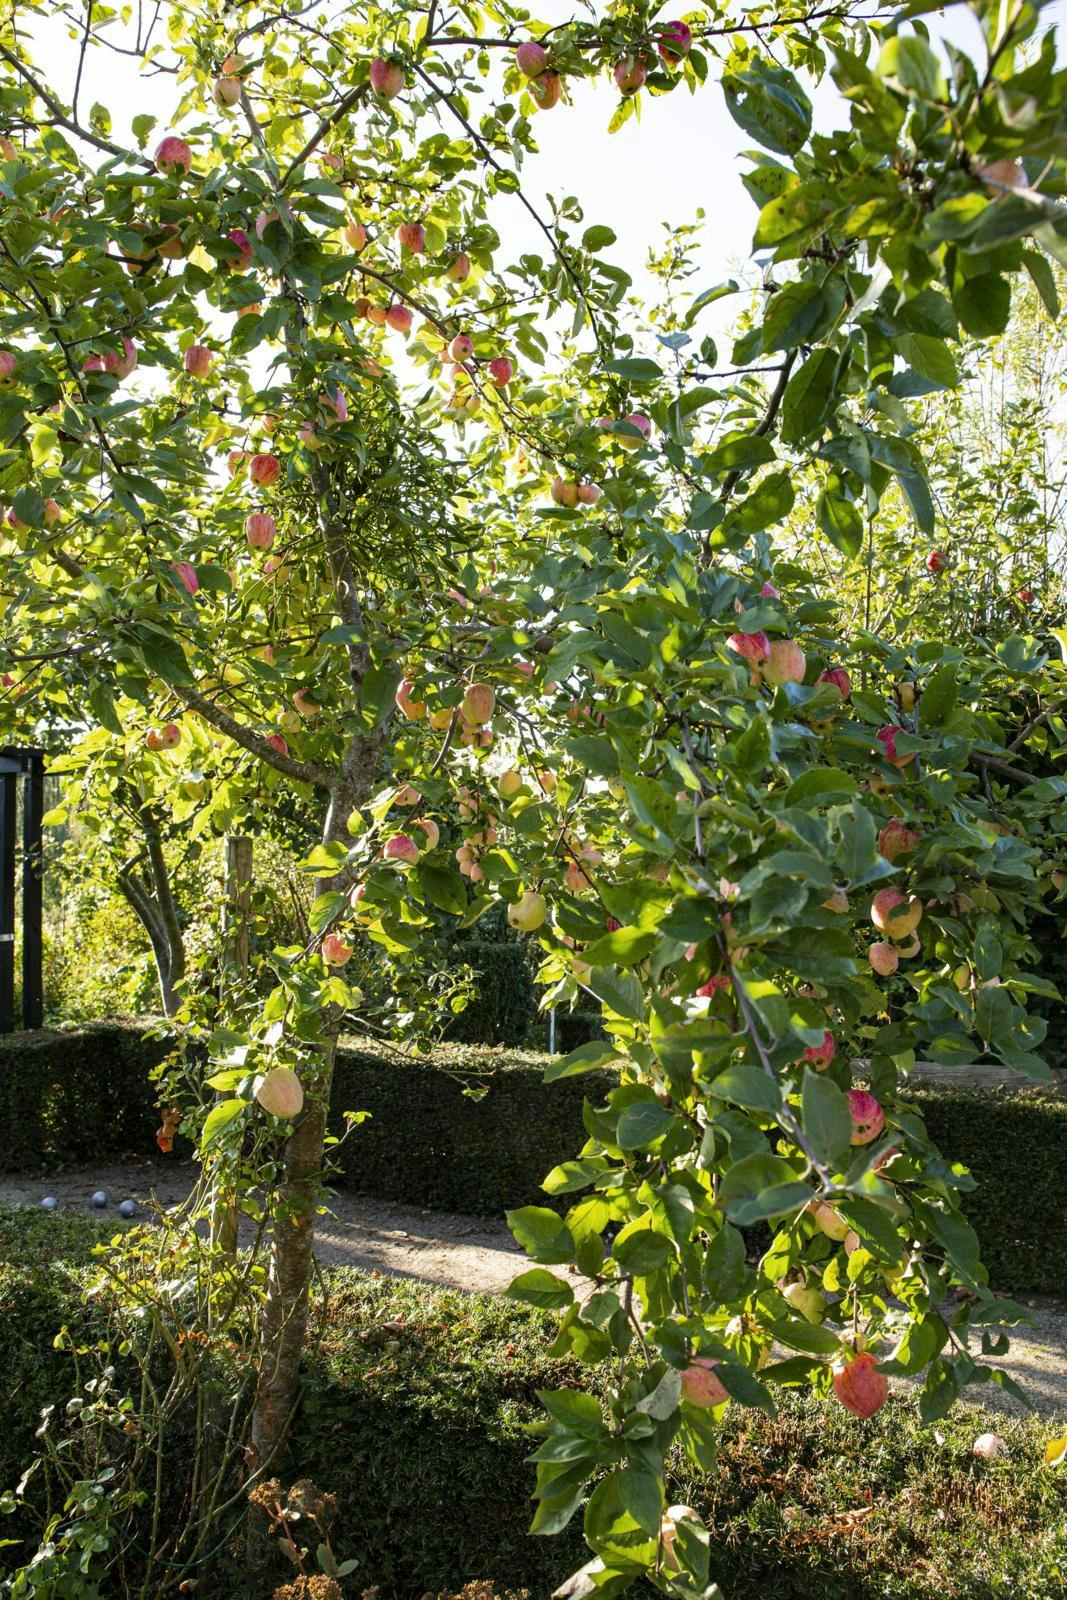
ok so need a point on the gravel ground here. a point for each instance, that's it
(476, 1254)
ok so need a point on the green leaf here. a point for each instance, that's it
(930, 357)
(219, 1118)
(1040, 270)
(644, 1124)
(842, 522)
(749, 1086)
(443, 887)
(768, 103)
(940, 694)
(622, 947)
(542, 1233)
(808, 396)
(586, 1058)
(635, 369)
(725, 1270)
(826, 1119)
(792, 314)
(983, 304)
(639, 1249)
(325, 908)
(760, 1187)
(541, 1288)
(825, 785)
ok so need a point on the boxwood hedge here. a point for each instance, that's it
(475, 1130)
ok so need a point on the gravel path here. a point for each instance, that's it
(477, 1254)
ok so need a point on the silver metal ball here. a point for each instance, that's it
(98, 1200)
(128, 1208)
(49, 1203)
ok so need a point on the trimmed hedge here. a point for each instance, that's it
(501, 1011)
(74, 1095)
(416, 1409)
(476, 1130)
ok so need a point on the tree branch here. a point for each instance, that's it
(302, 771)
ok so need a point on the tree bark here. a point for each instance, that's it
(285, 1314)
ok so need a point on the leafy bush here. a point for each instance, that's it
(415, 1416)
(503, 1006)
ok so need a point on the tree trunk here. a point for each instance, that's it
(285, 1315)
(154, 905)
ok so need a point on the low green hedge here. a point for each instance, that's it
(74, 1095)
(475, 1130)
(415, 1415)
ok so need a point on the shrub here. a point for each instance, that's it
(416, 1413)
(77, 1095)
(502, 1009)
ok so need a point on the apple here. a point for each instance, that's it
(840, 680)
(545, 90)
(1027, 596)
(884, 958)
(52, 513)
(120, 366)
(260, 530)
(887, 738)
(700, 1384)
(236, 462)
(895, 913)
(306, 435)
(198, 361)
(509, 784)
(376, 315)
(806, 1302)
(399, 318)
(906, 693)
(430, 829)
(564, 492)
(837, 902)
(280, 1093)
(226, 92)
(401, 847)
(787, 663)
(406, 703)
(264, 470)
(868, 1118)
(243, 259)
(630, 74)
(412, 236)
(459, 269)
(936, 561)
(355, 235)
(305, 704)
(172, 247)
(627, 441)
(528, 912)
(988, 1446)
(1005, 173)
(251, 310)
(829, 1221)
(336, 950)
(588, 493)
(531, 59)
(897, 839)
(173, 156)
(8, 363)
(820, 1055)
(277, 743)
(675, 42)
(860, 1388)
(546, 782)
(187, 577)
(501, 371)
(462, 348)
(387, 77)
(478, 703)
(752, 647)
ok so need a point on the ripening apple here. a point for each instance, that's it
(936, 561)
(868, 1117)
(642, 426)
(277, 744)
(675, 41)
(829, 1221)
(120, 366)
(859, 1387)
(462, 347)
(988, 1446)
(906, 694)
(401, 847)
(478, 703)
(545, 90)
(243, 259)
(336, 950)
(226, 92)
(398, 318)
(260, 530)
(386, 77)
(820, 1056)
(564, 492)
(264, 470)
(897, 839)
(430, 830)
(500, 371)
(895, 913)
(546, 782)
(412, 236)
(406, 703)
(8, 363)
(236, 462)
(509, 784)
(884, 958)
(754, 648)
(305, 704)
(459, 269)
(531, 58)
(440, 719)
(839, 678)
(280, 1093)
(528, 912)
(807, 1302)
(166, 738)
(630, 74)
(173, 156)
(887, 738)
(355, 235)
(786, 663)
(186, 574)
(198, 361)
(701, 1386)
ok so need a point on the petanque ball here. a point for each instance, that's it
(98, 1200)
(49, 1203)
(128, 1208)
